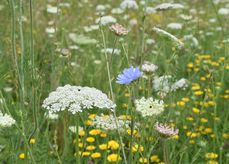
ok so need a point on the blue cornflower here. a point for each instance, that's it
(128, 75)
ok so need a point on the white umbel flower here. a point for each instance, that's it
(149, 107)
(129, 4)
(76, 99)
(223, 11)
(149, 67)
(110, 51)
(175, 26)
(166, 6)
(106, 20)
(6, 120)
(180, 84)
(107, 122)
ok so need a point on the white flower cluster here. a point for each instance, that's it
(166, 6)
(107, 122)
(163, 85)
(110, 51)
(6, 120)
(149, 107)
(129, 4)
(148, 67)
(76, 99)
(175, 26)
(106, 20)
(180, 84)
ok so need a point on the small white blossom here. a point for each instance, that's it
(175, 26)
(180, 84)
(223, 11)
(149, 107)
(129, 4)
(106, 20)
(107, 122)
(166, 6)
(52, 9)
(148, 67)
(76, 99)
(6, 120)
(111, 51)
(52, 116)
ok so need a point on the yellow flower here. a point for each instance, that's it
(175, 137)
(22, 156)
(103, 135)
(181, 103)
(208, 130)
(80, 144)
(92, 116)
(211, 155)
(135, 133)
(190, 65)
(90, 139)
(143, 160)
(88, 122)
(90, 147)
(96, 155)
(113, 158)
(113, 145)
(32, 141)
(136, 148)
(189, 118)
(198, 93)
(154, 158)
(85, 153)
(196, 87)
(226, 135)
(212, 162)
(125, 105)
(94, 132)
(103, 146)
(203, 120)
(192, 141)
(82, 133)
(203, 78)
(127, 94)
(185, 99)
(195, 110)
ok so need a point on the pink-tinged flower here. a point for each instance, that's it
(119, 29)
(165, 130)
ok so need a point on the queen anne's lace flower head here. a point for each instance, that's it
(149, 67)
(6, 120)
(119, 30)
(107, 122)
(129, 4)
(149, 107)
(76, 99)
(165, 130)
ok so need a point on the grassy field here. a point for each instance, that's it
(153, 90)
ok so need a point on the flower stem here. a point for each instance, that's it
(165, 151)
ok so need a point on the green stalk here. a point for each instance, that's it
(165, 151)
(112, 95)
(77, 139)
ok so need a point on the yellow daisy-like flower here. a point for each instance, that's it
(90, 139)
(90, 147)
(137, 147)
(211, 155)
(154, 158)
(113, 158)
(22, 156)
(103, 146)
(103, 135)
(143, 160)
(32, 141)
(94, 132)
(85, 153)
(92, 116)
(113, 145)
(96, 155)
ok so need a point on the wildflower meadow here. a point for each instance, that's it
(114, 81)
